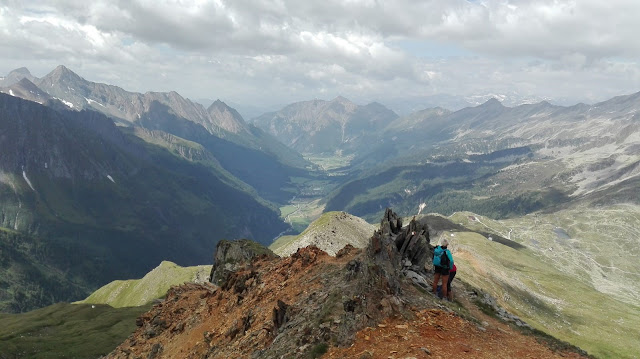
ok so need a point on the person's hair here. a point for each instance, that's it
(444, 242)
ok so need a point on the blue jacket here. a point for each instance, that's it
(437, 252)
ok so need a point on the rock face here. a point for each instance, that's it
(228, 118)
(232, 255)
(410, 252)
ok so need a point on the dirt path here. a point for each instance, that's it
(439, 334)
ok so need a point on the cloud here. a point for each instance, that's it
(368, 49)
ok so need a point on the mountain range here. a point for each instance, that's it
(85, 199)
(499, 161)
(318, 126)
(236, 144)
(99, 184)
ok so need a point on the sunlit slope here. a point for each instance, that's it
(553, 292)
(136, 292)
(322, 234)
(66, 330)
(598, 246)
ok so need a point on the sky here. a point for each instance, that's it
(268, 53)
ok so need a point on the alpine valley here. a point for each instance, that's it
(99, 185)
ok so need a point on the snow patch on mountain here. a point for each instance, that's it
(69, 104)
(11, 92)
(421, 207)
(90, 101)
(111, 178)
(24, 175)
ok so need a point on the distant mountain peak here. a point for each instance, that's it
(341, 99)
(492, 102)
(26, 84)
(15, 76)
(63, 73)
(21, 71)
(27, 90)
(218, 103)
(61, 68)
(226, 117)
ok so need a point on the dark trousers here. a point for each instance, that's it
(451, 275)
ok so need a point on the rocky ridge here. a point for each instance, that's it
(310, 303)
(132, 108)
(330, 233)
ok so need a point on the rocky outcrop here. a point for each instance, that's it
(500, 312)
(402, 252)
(267, 307)
(232, 255)
(300, 306)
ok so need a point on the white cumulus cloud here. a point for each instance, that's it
(279, 51)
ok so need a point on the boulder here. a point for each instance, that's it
(231, 255)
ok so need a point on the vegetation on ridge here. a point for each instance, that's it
(66, 330)
(154, 285)
(331, 232)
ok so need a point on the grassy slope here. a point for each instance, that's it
(66, 331)
(136, 292)
(320, 232)
(558, 299)
(598, 246)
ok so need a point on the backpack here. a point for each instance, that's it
(440, 257)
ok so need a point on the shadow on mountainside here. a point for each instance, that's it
(439, 224)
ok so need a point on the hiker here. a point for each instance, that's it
(442, 264)
(452, 274)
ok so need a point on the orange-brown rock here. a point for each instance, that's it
(357, 305)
